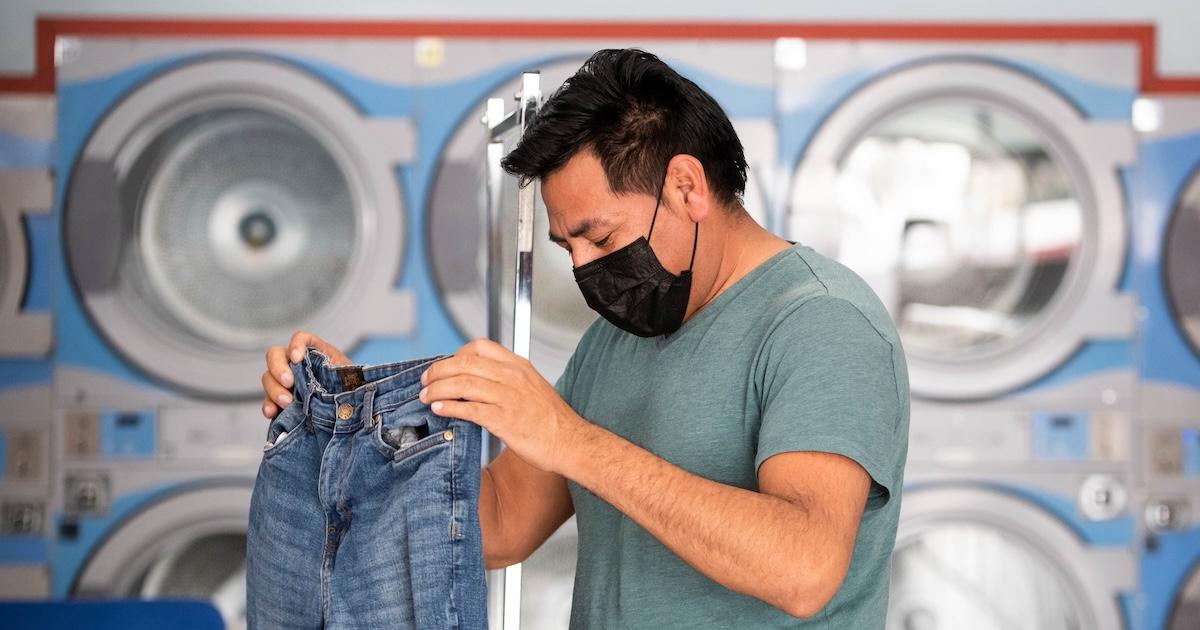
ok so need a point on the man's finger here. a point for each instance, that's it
(466, 364)
(300, 340)
(487, 349)
(277, 364)
(463, 410)
(465, 386)
(276, 392)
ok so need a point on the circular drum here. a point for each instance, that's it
(191, 545)
(1181, 264)
(458, 243)
(222, 205)
(984, 211)
(1185, 611)
(458, 250)
(967, 557)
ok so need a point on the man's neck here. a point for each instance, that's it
(747, 245)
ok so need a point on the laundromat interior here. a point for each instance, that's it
(1018, 182)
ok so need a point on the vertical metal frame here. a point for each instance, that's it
(500, 126)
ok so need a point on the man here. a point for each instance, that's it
(732, 432)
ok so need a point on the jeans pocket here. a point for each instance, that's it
(284, 429)
(401, 434)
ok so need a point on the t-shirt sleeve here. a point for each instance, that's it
(566, 380)
(827, 383)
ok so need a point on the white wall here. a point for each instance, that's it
(1178, 20)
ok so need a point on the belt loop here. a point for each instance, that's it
(311, 388)
(368, 405)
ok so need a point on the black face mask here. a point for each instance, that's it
(631, 289)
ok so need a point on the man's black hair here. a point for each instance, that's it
(635, 113)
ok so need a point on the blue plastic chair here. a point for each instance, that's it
(126, 614)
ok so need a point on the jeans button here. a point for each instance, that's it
(447, 435)
(345, 410)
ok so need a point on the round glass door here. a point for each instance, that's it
(7, 245)
(1185, 612)
(212, 567)
(458, 243)
(220, 206)
(961, 218)
(961, 574)
(227, 208)
(458, 247)
(548, 580)
(1181, 266)
(190, 544)
(985, 212)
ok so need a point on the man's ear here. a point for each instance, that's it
(688, 186)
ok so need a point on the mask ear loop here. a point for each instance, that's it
(695, 239)
(695, 235)
(657, 203)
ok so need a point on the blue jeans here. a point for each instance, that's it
(365, 509)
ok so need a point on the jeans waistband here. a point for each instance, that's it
(341, 398)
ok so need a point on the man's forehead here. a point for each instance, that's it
(581, 175)
(575, 191)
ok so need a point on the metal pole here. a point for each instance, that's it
(499, 125)
(495, 261)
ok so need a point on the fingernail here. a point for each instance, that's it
(421, 394)
(284, 399)
(285, 378)
(266, 411)
(424, 377)
(296, 355)
(437, 406)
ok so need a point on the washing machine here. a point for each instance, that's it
(26, 141)
(468, 72)
(213, 195)
(980, 189)
(1168, 279)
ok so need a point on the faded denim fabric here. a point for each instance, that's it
(365, 508)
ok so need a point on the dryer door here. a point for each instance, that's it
(458, 247)
(1185, 612)
(1181, 264)
(191, 544)
(222, 205)
(22, 192)
(974, 558)
(457, 234)
(983, 210)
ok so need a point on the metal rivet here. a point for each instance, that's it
(345, 410)
(447, 435)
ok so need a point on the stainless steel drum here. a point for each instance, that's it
(1181, 264)
(224, 204)
(988, 224)
(457, 219)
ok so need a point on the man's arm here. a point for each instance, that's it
(519, 508)
(788, 545)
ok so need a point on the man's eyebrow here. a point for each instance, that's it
(583, 228)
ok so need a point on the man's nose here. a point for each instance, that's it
(579, 259)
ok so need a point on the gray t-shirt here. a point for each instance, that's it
(798, 355)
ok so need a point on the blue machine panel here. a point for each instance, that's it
(127, 433)
(1060, 435)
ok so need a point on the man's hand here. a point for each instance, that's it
(277, 379)
(487, 384)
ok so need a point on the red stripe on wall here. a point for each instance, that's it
(1143, 36)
